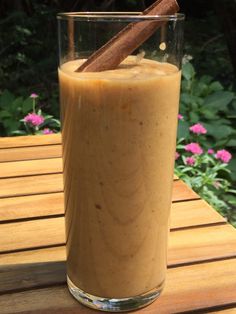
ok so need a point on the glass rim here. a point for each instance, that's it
(118, 16)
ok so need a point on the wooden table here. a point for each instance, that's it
(202, 254)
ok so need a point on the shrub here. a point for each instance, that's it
(18, 116)
(203, 169)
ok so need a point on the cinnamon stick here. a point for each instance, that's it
(110, 55)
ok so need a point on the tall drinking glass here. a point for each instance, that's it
(119, 136)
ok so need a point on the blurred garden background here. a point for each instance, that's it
(206, 147)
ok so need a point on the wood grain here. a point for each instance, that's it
(199, 244)
(21, 207)
(185, 246)
(207, 243)
(49, 183)
(32, 140)
(182, 192)
(187, 288)
(31, 185)
(32, 160)
(30, 234)
(30, 153)
(183, 214)
(193, 213)
(51, 254)
(30, 167)
(32, 275)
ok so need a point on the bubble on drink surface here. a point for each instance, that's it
(162, 46)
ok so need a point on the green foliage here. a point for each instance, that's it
(28, 53)
(206, 42)
(206, 100)
(207, 175)
(14, 109)
(203, 99)
(11, 111)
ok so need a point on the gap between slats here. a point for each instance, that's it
(224, 309)
(215, 287)
(183, 214)
(185, 246)
(51, 183)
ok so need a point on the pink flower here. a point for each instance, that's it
(223, 155)
(33, 95)
(198, 129)
(176, 155)
(190, 161)
(180, 117)
(47, 131)
(210, 151)
(34, 119)
(194, 148)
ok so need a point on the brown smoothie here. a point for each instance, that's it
(119, 133)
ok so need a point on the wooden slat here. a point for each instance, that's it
(30, 153)
(199, 244)
(198, 286)
(182, 192)
(175, 177)
(51, 254)
(183, 214)
(187, 288)
(41, 205)
(34, 140)
(13, 277)
(228, 311)
(30, 234)
(30, 167)
(185, 246)
(31, 185)
(49, 183)
(220, 245)
(193, 213)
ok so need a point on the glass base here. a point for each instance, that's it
(114, 305)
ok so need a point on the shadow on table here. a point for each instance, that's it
(20, 277)
(37, 288)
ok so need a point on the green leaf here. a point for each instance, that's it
(5, 114)
(219, 100)
(18, 132)
(232, 168)
(209, 114)
(232, 143)
(16, 105)
(206, 79)
(200, 88)
(186, 98)
(11, 125)
(6, 99)
(216, 86)
(27, 106)
(218, 131)
(183, 129)
(194, 116)
(188, 71)
(185, 86)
